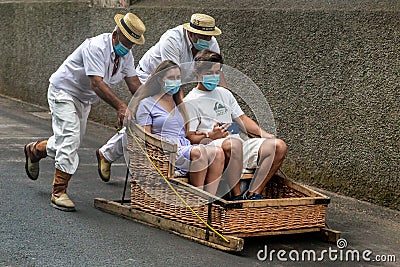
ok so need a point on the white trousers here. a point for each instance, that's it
(69, 118)
(113, 149)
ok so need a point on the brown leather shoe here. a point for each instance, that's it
(34, 152)
(103, 167)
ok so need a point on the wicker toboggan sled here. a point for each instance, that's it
(161, 199)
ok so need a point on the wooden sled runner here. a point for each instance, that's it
(162, 200)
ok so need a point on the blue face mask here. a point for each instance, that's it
(171, 87)
(120, 49)
(201, 44)
(210, 82)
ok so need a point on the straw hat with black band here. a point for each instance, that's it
(131, 27)
(202, 24)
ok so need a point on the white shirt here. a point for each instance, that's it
(205, 108)
(174, 45)
(95, 56)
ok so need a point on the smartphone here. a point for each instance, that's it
(233, 128)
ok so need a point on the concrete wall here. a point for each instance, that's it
(329, 70)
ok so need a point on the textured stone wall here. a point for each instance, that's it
(329, 70)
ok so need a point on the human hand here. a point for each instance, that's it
(219, 131)
(121, 114)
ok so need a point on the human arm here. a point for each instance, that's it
(129, 73)
(106, 93)
(133, 83)
(201, 137)
(252, 127)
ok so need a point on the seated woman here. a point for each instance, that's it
(160, 112)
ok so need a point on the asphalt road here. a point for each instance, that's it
(32, 233)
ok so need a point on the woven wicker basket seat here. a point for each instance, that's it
(287, 207)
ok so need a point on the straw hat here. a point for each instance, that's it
(131, 26)
(202, 24)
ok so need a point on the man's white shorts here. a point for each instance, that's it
(251, 148)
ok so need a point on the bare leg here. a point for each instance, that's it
(233, 151)
(270, 157)
(216, 159)
(198, 166)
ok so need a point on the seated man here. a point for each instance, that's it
(209, 106)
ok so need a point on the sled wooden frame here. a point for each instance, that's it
(303, 213)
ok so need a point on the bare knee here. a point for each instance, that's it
(280, 148)
(232, 147)
(219, 154)
(196, 153)
(272, 147)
